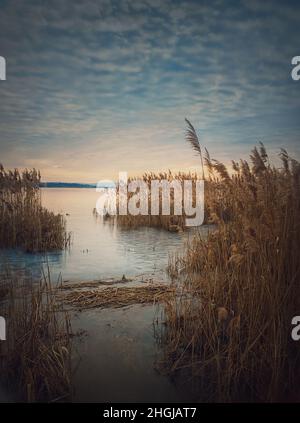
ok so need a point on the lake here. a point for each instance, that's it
(115, 357)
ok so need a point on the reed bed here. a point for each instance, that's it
(35, 359)
(171, 222)
(116, 297)
(230, 330)
(23, 221)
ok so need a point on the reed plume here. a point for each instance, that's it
(192, 138)
(230, 328)
(23, 221)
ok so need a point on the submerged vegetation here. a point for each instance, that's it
(35, 359)
(23, 221)
(230, 329)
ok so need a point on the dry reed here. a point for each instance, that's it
(23, 221)
(35, 359)
(172, 222)
(230, 330)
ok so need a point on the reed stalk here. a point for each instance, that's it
(24, 222)
(35, 359)
(230, 329)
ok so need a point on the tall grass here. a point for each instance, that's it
(23, 221)
(230, 328)
(35, 359)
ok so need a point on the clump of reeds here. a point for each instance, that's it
(231, 327)
(171, 222)
(23, 221)
(35, 359)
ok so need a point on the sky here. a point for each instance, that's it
(98, 87)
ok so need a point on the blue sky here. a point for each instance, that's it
(97, 87)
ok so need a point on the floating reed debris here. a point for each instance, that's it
(237, 345)
(35, 359)
(23, 221)
(116, 297)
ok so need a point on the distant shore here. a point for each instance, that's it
(65, 185)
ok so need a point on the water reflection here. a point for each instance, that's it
(119, 350)
(121, 369)
(98, 250)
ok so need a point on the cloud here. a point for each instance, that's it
(113, 80)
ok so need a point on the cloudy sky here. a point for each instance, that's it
(95, 87)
